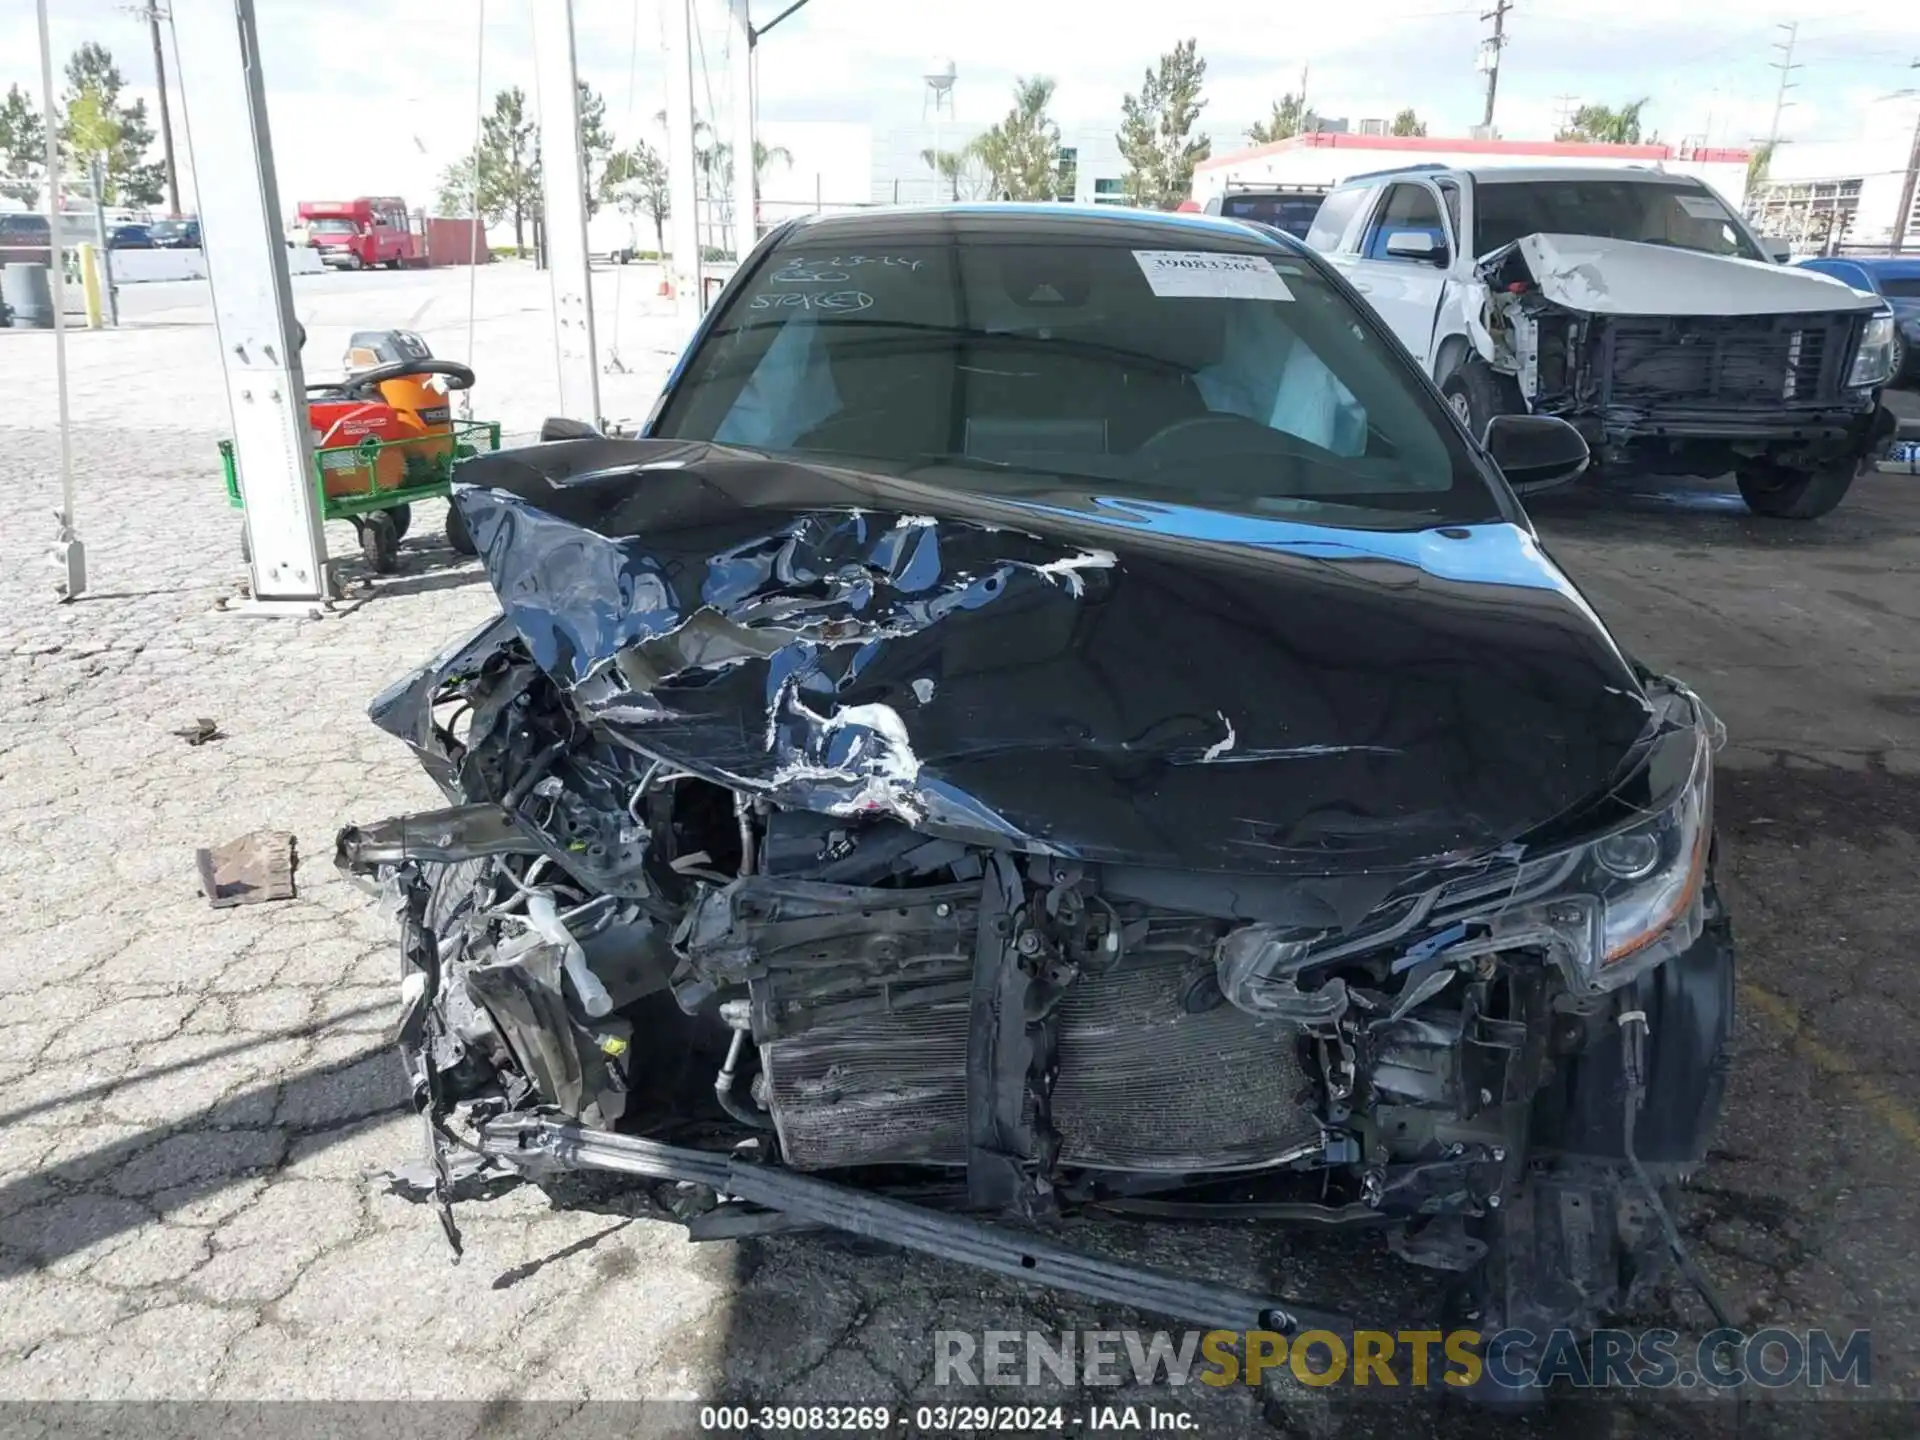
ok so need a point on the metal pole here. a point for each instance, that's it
(1903, 217)
(1786, 67)
(68, 550)
(97, 180)
(746, 177)
(152, 12)
(683, 205)
(224, 93)
(563, 212)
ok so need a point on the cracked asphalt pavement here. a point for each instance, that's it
(193, 1102)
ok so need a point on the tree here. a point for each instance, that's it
(1408, 123)
(457, 189)
(1156, 130)
(960, 171)
(1758, 163)
(1289, 118)
(1021, 154)
(23, 148)
(100, 128)
(1605, 125)
(636, 182)
(596, 143)
(509, 162)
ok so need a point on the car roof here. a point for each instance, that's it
(1484, 174)
(1001, 220)
(1899, 267)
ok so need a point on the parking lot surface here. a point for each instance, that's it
(194, 1103)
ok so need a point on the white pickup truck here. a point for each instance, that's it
(1632, 303)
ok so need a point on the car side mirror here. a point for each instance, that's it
(1416, 245)
(1536, 452)
(1777, 250)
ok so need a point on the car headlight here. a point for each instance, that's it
(1626, 901)
(1873, 362)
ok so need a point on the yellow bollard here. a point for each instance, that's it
(90, 284)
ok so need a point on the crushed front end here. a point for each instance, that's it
(750, 879)
(1693, 376)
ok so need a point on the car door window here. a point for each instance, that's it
(1406, 208)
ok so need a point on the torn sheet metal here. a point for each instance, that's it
(248, 871)
(1053, 670)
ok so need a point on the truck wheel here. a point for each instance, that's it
(1904, 368)
(457, 535)
(1476, 394)
(1784, 494)
(402, 517)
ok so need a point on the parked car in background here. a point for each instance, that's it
(25, 240)
(1635, 304)
(1895, 279)
(175, 234)
(1285, 207)
(130, 237)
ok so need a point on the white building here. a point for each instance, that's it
(1826, 194)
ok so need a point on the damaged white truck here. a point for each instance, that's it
(1632, 303)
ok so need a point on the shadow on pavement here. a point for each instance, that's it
(82, 1201)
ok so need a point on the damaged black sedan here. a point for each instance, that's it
(1057, 716)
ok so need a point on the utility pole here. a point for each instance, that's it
(1490, 54)
(1786, 67)
(153, 15)
(684, 205)
(1903, 216)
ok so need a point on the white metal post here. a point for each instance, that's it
(683, 197)
(239, 202)
(746, 193)
(563, 172)
(68, 552)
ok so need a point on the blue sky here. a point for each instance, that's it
(356, 107)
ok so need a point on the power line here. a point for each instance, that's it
(1786, 67)
(1490, 49)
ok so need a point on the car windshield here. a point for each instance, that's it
(1291, 213)
(333, 226)
(1684, 217)
(166, 228)
(1231, 377)
(1900, 287)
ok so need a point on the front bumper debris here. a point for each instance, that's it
(537, 1145)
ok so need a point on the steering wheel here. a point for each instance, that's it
(1223, 424)
(365, 384)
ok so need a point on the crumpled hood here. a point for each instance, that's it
(1625, 277)
(1116, 681)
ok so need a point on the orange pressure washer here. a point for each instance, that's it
(385, 436)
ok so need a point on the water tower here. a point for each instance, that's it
(939, 93)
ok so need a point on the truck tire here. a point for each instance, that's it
(1783, 494)
(1476, 394)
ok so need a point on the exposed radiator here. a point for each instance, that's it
(1144, 1083)
(1736, 362)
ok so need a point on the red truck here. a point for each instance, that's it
(359, 234)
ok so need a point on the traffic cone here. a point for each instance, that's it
(666, 286)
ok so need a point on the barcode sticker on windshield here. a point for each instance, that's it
(1701, 207)
(1209, 274)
